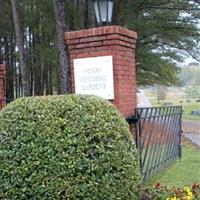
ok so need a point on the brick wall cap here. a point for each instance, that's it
(99, 32)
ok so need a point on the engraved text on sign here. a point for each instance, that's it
(94, 76)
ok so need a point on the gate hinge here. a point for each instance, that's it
(132, 119)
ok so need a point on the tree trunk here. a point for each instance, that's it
(64, 67)
(1, 13)
(19, 41)
(9, 66)
(86, 17)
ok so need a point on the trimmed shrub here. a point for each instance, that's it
(66, 147)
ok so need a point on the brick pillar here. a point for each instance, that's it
(2, 89)
(109, 41)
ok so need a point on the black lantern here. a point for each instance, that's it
(103, 11)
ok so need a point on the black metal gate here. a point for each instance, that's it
(158, 138)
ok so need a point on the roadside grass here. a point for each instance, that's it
(175, 100)
(187, 110)
(183, 172)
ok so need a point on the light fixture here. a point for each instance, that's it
(103, 11)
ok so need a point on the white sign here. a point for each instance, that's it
(94, 76)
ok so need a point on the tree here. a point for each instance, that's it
(20, 45)
(1, 13)
(192, 92)
(161, 93)
(197, 76)
(190, 75)
(61, 27)
(167, 30)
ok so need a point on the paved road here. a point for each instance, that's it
(191, 126)
(193, 137)
(142, 99)
(191, 130)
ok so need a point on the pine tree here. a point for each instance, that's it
(61, 27)
(168, 31)
(20, 45)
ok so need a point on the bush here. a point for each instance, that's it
(66, 147)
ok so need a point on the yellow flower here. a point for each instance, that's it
(189, 198)
(173, 198)
(189, 194)
(186, 189)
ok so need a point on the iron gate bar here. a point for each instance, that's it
(158, 137)
(179, 130)
(153, 154)
(156, 149)
(169, 136)
(157, 152)
(142, 146)
(149, 148)
(164, 118)
(169, 148)
(149, 138)
(170, 152)
(173, 139)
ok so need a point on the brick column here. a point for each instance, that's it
(109, 41)
(2, 89)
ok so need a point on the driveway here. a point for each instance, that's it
(191, 130)
(191, 126)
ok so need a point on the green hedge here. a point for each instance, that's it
(66, 147)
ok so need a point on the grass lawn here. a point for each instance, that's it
(187, 110)
(173, 98)
(183, 172)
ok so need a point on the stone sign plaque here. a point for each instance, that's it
(94, 76)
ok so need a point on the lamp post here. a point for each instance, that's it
(103, 11)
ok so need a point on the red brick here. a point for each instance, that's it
(71, 47)
(73, 41)
(92, 39)
(118, 42)
(113, 36)
(86, 45)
